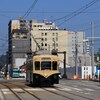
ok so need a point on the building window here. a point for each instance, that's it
(57, 44)
(45, 44)
(56, 49)
(42, 39)
(41, 44)
(34, 25)
(42, 34)
(45, 39)
(53, 34)
(56, 34)
(53, 39)
(45, 34)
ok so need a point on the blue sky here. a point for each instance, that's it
(51, 10)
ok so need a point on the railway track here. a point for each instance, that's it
(18, 92)
(63, 94)
(23, 92)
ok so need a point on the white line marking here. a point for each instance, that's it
(65, 89)
(51, 89)
(88, 89)
(1, 96)
(5, 90)
(17, 89)
(71, 88)
(77, 89)
(34, 89)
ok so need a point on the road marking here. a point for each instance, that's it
(88, 89)
(51, 89)
(17, 89)
(7, 90)
(65, 89)
(1, 95)
(71, 88)
(77, 89)
(34, 89)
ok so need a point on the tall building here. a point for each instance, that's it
(30, 35)
(49, 37)
(19, 42)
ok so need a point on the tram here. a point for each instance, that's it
(42, 68)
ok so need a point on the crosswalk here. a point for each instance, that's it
(76, 88)
(58, 87)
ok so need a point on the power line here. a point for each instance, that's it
(6, 16)
(80, 10)
(45, 12)
(77, 12)
(30, 9)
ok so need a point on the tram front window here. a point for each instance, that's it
(45, 65)
(37, 65)
(54, 63)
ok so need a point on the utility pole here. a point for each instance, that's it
(76, 54)
(64, 63)
(92, 48)
(84, 50)
(65, 76)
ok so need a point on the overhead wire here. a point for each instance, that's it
(77, 12)
(30, 9)
(80, 10)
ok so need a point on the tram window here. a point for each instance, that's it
(46, 65)
(37, 65)
(54, 64)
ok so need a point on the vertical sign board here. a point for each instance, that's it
(96, 70)
(86, 72)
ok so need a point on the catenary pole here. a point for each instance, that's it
(92, 48)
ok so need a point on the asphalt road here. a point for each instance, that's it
(18, 89)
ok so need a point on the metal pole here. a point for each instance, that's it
(64, 62)
(65, 76)
(84, 52)
(99, 75)
(76, 55)
(92, 48)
